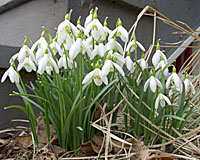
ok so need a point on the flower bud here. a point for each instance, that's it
(92, 11)
(43, 34)
(78, 21)
(158, 45)
(68, 16)
(174, 69)
(142, 56)
(129, 53)
(119, 22)
(105, 22)
(25, 42)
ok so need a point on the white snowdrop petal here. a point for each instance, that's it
(123, 34)
(75, 49)
(140, 46)
(112, 34)
(119, 47)
(146, 85)
(153, 84)
(158, 83)
(156, 58)
(106, 67)
(13, 75)
(157, 102)
(88, 77)
(98, 82)
(166, 99)
(119, 69)
(5, 75)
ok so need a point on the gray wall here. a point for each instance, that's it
(27, 19)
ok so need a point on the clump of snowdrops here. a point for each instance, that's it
(85, 66)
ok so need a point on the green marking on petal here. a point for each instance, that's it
(96, 77)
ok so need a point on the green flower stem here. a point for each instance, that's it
(61, 108)
(81, 90)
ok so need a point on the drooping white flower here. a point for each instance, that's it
(162, 65)
(12, 74)
(78, 46)
(109, 67)
(45, 61)
(153, 83)
(107, 31)
(65, 62)
(188, 84)
(96, 74)
(89, 18)
(65, 28)
(67, 43)
(24, 52)
(131, 46)
(120, 31)
(96, 28)
(56, 47)
(28, 64)
(129, 64)
(117, 58)
(142, 62)
(40, 43)
(41, 46)
(161, 99)
(112, 44)
(175, 79)
(158, 56)
(98, 50)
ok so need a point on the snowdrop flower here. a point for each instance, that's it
(78, 25)
(98, 50)
(28, 64)
(162, 65)
(142, 62)
(40, 43)
(112, 44)
(96, 28)
(78, 46)
(65, 62)
(96, 74)
(65, 28)
(12, 74)
(132, 44)
(109, 67)
(175, 79)
(161, 99)
(120, 31)
(117, 58)
(174, 90)
(89, 18)
(67, 43)
(188, 84)
(56, 47)
(24, 52)
(153, 82)
(129, 63)
(45, 61)
(157, 56)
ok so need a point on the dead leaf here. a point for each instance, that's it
(163, 156)
(25, 140)
(89, 149)
(57, 150)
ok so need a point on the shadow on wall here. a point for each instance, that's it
(7, 88)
